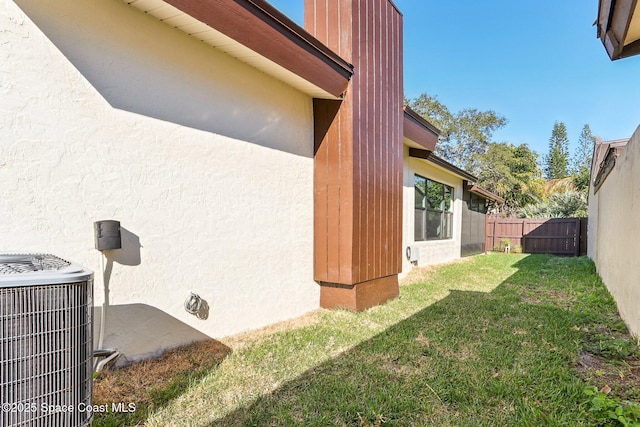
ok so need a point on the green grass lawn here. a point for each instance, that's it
(492, 340)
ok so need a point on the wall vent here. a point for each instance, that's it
(46, 342)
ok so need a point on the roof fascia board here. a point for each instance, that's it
(473, 188)
(419, 130)
(451, 168)
(430, 157)
(262, 28)
(605, 168)
(419, 154)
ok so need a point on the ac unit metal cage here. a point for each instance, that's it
(46, 341)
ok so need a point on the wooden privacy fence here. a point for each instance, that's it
(558, 236)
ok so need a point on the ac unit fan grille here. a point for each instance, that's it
(17, 264)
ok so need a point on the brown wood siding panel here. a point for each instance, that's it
(388, 97)
(329, 21)
(378, 172)
(364, 203)
(332, 178)
(360, 297)
(333, 202)
(385, 135)
(398, 88)
(359, 125)
(320, 180)
(332, 24)
(347, 202)
(359, 52)
(321, 23)
(367, 64)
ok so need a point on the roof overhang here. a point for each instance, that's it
(605, 168)
(256, 33)
(418, 132)
(432, 158)
(619, 27)
(605, 156)
(473, 188)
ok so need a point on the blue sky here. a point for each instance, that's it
(534, 62)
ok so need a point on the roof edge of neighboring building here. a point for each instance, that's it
(618, 27)
(605, 155)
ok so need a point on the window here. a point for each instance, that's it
(476, 203)
(434, 210)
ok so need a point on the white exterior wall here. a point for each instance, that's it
(614, 232)
(431, 251)
(107, 113)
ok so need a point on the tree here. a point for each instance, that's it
(569, 204)
(582, 159)
(511, 172)
(464, 134)
(557, 161)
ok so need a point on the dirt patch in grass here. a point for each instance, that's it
(623, 378)
(152, 384)
(559, 299)
(589, 362)
(417, 275)
(149, 383)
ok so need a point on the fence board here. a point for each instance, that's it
(559, 236)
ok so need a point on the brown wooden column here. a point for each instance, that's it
(358, 158)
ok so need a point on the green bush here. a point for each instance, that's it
(570, 204)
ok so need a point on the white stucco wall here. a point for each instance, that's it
(431, 251)
(107, 113)
(614, 232)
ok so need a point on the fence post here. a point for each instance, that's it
(577, 236)
(493, 238)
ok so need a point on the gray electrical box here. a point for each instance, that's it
(107, 235)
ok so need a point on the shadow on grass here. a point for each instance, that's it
(469, 359)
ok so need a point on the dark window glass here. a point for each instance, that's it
(474, 203)
(433, 209)
(434, 224)
(435, 195)
(421, 191)
(448, 205)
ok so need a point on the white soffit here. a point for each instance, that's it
(634, 26)
(203, 32)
